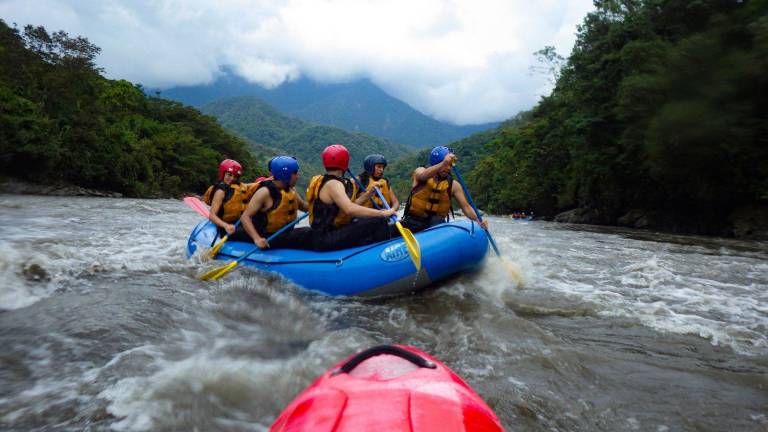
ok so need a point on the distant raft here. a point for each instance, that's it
(379, 269)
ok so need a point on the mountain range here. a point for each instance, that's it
(358, 106)
(270, 132)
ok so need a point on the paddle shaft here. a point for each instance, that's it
(197, 205)
(378, 192)
(273, 236)
(472, 204)
(201, 209)
(414, 250)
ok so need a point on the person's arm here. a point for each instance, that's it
(337, 194)
(458, 192)
(257, 202)
(423, 174)
(216, 203)
(364, 195)
(303, 205)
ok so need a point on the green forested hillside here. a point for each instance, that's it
(263, 125)
(469, 150)
(61, 121)
(660, 109)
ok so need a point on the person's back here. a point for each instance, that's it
(325, 214)
(337, 219)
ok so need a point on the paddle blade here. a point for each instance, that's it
(197, 205)
(513, 270)
(211, 274)
(224, 271)
(217, 247)
(414, 250)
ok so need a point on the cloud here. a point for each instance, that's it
(462, 61)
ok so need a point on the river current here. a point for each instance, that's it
(104, 325)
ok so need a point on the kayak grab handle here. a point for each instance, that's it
(384, 349)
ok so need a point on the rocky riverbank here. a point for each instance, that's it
(748, 222)
(12, 186)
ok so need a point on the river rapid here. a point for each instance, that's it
(104, 325)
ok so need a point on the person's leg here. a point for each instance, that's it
(415, 224)
(435, 220)
(297, 238)
(240, 235)
(361, 232)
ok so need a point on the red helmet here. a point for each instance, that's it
(336, 156)
(232, 166)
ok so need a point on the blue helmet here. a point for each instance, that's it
(371, 160)
(283, 167)
(438, 154)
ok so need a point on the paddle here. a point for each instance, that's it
(218, 272)
(514, 274)
(197, 205)
(203, 211)
(414, 250)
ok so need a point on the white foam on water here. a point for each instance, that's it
(210, 384)
(64, 240)
(719, 293)
(155, 402)
(15, 291)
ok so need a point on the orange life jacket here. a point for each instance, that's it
(382, 184)
(236, 198)
(430, 198)
(283, 211)
(322, 215)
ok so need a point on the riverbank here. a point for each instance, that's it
(19, 187)
(747, 222)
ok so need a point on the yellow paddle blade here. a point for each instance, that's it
(215, 249)
(224, 271)
(414, 250)
(210, 274)
(513, 270)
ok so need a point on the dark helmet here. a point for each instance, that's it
(438, 154)
(336, 156)
(283, 167)
(371, 160)
(231, 166)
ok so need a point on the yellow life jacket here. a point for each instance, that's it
(382, 184)
(322, 215)
(430, 198)
(283, 210)
(236, 198)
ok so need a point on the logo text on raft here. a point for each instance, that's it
(395, 252)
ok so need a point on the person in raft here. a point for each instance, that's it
(431, 193)
(273, 206)
(373, 175)
(229, 197)
(333, 203)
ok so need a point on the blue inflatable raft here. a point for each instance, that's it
(380, 269)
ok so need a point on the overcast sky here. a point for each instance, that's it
(459, 61)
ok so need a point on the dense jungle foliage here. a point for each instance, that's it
(661, 107)
(61, 121)
(469, 150)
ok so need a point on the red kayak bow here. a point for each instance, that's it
(388, 388)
